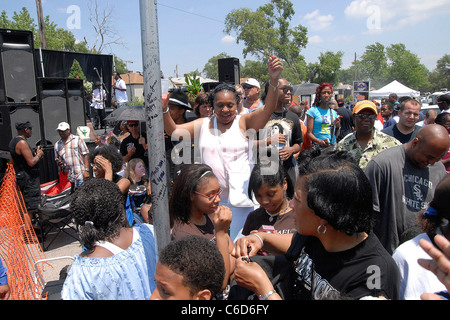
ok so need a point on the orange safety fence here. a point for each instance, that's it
(19, 247)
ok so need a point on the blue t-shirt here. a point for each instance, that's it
(322, 122)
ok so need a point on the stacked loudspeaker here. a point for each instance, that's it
(62, 100)
(44, 102)
(18, 90)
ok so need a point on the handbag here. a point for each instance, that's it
(237, 181)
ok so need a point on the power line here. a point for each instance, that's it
(194, 14)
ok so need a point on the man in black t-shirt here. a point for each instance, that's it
(285, 125)
(134, 146)
(347, 125)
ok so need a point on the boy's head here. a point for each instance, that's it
(190, 268)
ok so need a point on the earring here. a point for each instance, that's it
(319, 231)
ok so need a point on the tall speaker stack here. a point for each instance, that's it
(62, 100)
(18, 90)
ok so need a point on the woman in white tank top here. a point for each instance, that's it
(223, 139)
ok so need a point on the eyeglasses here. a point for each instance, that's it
(133, 125)
(95, 165)
(211, 197)
(365, 116)
(245, 87)
(286, 89)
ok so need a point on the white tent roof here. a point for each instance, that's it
(395, 87)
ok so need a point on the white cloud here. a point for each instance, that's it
(318, 22)
(386, 15)
(315, 39)
(228, 39)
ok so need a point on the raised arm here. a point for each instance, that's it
(257, 119)
(173, 129)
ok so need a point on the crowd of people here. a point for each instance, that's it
(278, 201)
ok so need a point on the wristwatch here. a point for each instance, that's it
(265, 296)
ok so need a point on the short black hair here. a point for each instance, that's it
(257, 179)
(222, 87)
(198, 260)
(111, 153)
(100, 202)
(441, 118)
(338, 190)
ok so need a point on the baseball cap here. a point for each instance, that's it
(365, 104)
(63, 126)
(251, 82)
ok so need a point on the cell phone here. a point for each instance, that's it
(266, 228)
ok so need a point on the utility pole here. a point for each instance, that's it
(355, 67)
(41, 24)
(155, 123)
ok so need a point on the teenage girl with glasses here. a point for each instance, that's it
(194, 210)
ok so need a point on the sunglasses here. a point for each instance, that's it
(365, 116)
(133, 125)
(286, 89)
(211, 197)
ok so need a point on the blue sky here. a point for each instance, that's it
(191, 32)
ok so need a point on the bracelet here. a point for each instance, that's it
(265, 296)
(260, 239)
(274, 88)
(167, 110)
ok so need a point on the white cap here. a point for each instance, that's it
(252, 82)
(63, 126)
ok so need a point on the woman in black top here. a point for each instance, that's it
(335, 254)
(25, 165)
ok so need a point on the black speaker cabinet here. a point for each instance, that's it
(48, 169)
(229, 70)
(62, 100)
(53, 107)
(75, 103)
(17, 67)
(10, 114)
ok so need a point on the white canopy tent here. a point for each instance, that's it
(395, 87)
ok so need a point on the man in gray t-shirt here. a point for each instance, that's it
(403, 179)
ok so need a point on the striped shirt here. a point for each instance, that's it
(73, 152)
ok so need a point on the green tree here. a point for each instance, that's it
(267, 31)
(327, 69)
(120, 65)
(211, 68)
(373, 65)
(405, 67)
(57, 38)
(440, 77)
(255, 69)
(76, 71)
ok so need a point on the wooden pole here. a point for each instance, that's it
(41, 24)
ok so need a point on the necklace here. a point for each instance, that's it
(272, 215)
